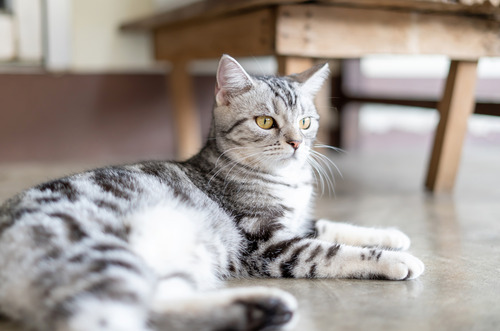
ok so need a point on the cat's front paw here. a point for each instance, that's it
(342, 233)
(394, 239)
(400, 266)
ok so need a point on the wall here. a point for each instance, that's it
(102, 101)
(97, 45)
(97, 42)
(91, 117)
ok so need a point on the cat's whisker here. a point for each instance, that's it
(242, 160)
(239, 161)
(317, 172)
(251, 164)
(227, 151)
(325, 162)
(324, 176)
(323, 167)
(325, 183)
(327, 159)
(329, 171)
(317, 176)
(336, 149)
(231, 162)
(221, 169)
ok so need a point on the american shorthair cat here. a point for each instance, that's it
(143, 246)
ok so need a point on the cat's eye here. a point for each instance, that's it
(265, 122)
(305, 123)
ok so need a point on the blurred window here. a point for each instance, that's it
(420, 66)
(21, 33)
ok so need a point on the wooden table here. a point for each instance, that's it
(297, 32)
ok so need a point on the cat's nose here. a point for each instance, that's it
(294, 143)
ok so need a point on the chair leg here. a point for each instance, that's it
(455, 107)
(187, 122)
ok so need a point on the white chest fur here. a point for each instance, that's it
(298, 198)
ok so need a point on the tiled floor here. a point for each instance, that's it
(457, 236)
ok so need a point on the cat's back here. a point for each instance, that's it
(105, 195)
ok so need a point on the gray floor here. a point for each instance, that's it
(457, 236)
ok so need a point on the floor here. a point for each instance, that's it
(457, 236)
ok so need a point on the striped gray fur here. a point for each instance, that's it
(142, 246)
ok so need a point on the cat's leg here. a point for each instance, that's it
(190, 261)
(297, 257)
(184, 301)
(173, 243)
(84, 281)
(343, 233)
(114, 296)
(239, 309)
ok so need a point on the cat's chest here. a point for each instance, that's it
(296, 199)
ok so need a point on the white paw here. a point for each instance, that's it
(400, 266)
(352, 235)
(395, 239)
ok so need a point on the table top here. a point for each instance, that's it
(208, 9)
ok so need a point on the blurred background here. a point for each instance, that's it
(74, 87)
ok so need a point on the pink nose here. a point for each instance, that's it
(294, 143)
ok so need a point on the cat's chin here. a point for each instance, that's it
(284, 164)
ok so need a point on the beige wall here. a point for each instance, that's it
(98, 44)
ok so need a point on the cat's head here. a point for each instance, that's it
(268, 123)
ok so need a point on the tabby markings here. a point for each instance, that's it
(282, 90)
(274, 251)
(111, 288)
(116, 182)
(100, 265)
(62, 186)
(314, 253)
(76, 232)
(287, 267)
(41, 235)
(332, 251)
(235, 125)
(312, 271)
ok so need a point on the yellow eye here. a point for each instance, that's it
(265, 122)
(305, 123)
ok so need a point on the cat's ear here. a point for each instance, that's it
(312, 79)
(232, 80)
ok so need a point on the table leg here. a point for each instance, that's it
(455, 107)
(186, 120)
(288, 65)
(291, 65)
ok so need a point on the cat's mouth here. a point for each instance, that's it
(291, 156)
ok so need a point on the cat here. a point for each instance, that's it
(143, 246)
